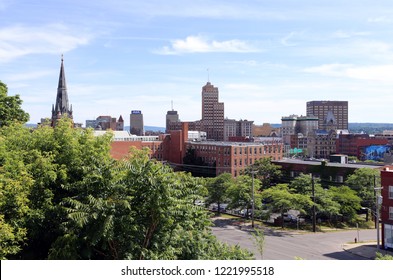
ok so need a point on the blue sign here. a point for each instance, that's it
(136, 112)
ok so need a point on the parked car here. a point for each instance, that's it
(290, 218)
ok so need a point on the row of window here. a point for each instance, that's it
(257, 150)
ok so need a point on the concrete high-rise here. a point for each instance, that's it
(136, 123)
(171, 117)
(320, 109)
(212, 113)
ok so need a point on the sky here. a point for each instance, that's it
(267, 57)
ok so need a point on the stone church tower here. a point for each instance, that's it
(62, 107)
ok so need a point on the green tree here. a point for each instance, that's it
(259, 240)
(15, 186)
(348, 200)
(363, 181)
(148, 202)
(302, 184)
(324, 203)
(217, 189)
(240, 193)
(64, 197)
(10, 108)
(267, 172)
(279, 199)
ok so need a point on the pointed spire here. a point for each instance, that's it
(61, 106)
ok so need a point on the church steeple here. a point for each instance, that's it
(61, 107)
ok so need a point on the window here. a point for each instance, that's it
(390, 192)
(390, 213)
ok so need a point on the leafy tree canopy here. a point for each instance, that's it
(64, 197)
(10, 108)
(267, 172)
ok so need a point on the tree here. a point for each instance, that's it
(10, 108)
(363, 181)
(348, 200)
(279, 199)
(267, 172)
(64, 197)
(15, 186)
(302, 184)
(149, 203)
(324, 203)
(217, 189)
(259, 240)
(240, 193)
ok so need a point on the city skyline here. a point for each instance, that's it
(267, 58)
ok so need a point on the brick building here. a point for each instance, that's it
(387, 207)
(354, 144)
(320, 109)
(231, 157)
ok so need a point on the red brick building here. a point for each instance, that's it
(231, 157)
(354, 144)
(387, 207)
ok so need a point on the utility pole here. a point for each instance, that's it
(378, 201)
(314, 218)
(252, 199)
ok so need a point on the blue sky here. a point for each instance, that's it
(268, 58)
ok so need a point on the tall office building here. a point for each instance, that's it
(62, 107)
(237, 129)
(212, 113)
(171, 117)
(320, 109)
(136, 123)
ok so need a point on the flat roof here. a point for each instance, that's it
(334, 164)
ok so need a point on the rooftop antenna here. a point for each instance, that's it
(172, 104)
(208, 75)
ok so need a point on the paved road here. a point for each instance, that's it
(287, 245)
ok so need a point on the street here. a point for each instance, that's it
(289, 245)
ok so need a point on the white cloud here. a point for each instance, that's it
(380, 19)
(287, 40)
(17, 41)
(381, 73)
(199, 44)
(348, 34)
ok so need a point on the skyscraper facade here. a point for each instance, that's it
(136, 123)
(61, 108)
(171, 117)
(320, 109)
(212, 113)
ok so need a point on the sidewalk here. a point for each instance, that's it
(366, 249)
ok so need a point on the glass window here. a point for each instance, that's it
(390, 213)
(390, 192)
(388, 235)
